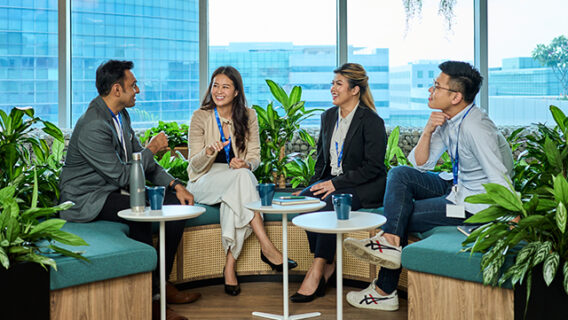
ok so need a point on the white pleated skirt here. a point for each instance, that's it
(233, 188)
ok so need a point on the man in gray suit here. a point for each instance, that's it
(97, 167)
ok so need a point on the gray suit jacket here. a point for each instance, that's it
(96, 164)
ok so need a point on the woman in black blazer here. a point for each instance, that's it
(350, 159)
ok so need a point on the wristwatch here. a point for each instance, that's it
(174, 184)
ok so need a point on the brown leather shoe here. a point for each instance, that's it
(170, 314)
(173, 295)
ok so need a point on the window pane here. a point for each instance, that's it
(160, 36)
(275, 40)
(28, 57)
(398, 59)
(521, 88)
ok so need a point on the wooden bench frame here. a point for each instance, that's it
(435, 297)
(128, 297)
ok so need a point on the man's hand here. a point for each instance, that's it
(325, 187)
(185, 197)
(158, 143)
(436, 119)
(237, 163)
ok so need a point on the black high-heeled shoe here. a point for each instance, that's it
(278, 267)
(320, 292)
(231, 289)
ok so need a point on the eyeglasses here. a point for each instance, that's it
(436, 86)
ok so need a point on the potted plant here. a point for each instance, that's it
(529, 224)
(28, 231)
(175, 165)
(301, 169)
(277, 126)
(177, 136)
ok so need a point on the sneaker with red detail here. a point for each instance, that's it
(377, 250)
(369, 298)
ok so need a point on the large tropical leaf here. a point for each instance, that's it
(550, 266)
(504, 197)
(278, 93)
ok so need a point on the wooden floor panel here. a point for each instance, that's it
(267, 297)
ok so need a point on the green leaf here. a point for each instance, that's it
(550, 266)
(561, 217)
(487, 215)
(37, 258)
(504, 197)
(561, 188)
(483, 198)
(4, 259)
(565, 272)
(295, 95)
(546, 205)
(542, 251)
(559, 117)
(532, 221)
(68, 253)
(53, 131)
(552, 153)
(278, 93)
(49, 225)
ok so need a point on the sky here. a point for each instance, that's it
(515, 26)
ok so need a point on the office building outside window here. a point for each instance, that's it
(161, 37)
(28, 57)
(413, 52)
(521, 89)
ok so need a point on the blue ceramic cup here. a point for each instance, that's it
(156, 197)
(342, 205)
(266, 193)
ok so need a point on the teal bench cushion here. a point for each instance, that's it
(111, 253)
(439, 253)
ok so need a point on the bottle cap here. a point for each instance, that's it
(136, 156)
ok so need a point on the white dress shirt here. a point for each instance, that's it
(484, 154)
(337, 139)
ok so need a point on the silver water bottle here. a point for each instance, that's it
(137, 184)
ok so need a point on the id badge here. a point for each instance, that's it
(455, 211)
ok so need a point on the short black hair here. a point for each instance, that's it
(111, 72)
(463, 78)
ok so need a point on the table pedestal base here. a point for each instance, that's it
(280, 317)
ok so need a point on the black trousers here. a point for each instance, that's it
(142, 231)
(322, 245)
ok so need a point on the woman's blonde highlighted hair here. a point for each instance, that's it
(357, 77)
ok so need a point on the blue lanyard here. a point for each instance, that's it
(456, 160)
(118, 120)
(227, 148)
(339, 153)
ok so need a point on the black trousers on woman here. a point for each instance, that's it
(142, 231)
(322, 245)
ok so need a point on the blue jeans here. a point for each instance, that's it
(323, 245)
(414, 201)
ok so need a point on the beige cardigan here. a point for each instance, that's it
(204, 131)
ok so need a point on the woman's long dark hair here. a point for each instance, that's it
(239, 112)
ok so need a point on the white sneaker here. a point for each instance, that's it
(370, 299)
(376, 250)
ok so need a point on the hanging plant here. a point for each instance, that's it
(413, 8)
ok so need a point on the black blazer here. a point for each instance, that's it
(363, 155)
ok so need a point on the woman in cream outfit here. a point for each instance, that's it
(224, 150)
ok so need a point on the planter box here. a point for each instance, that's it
(545, 302)
(26, 291)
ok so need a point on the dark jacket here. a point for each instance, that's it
(363, 155)
(95, 164)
